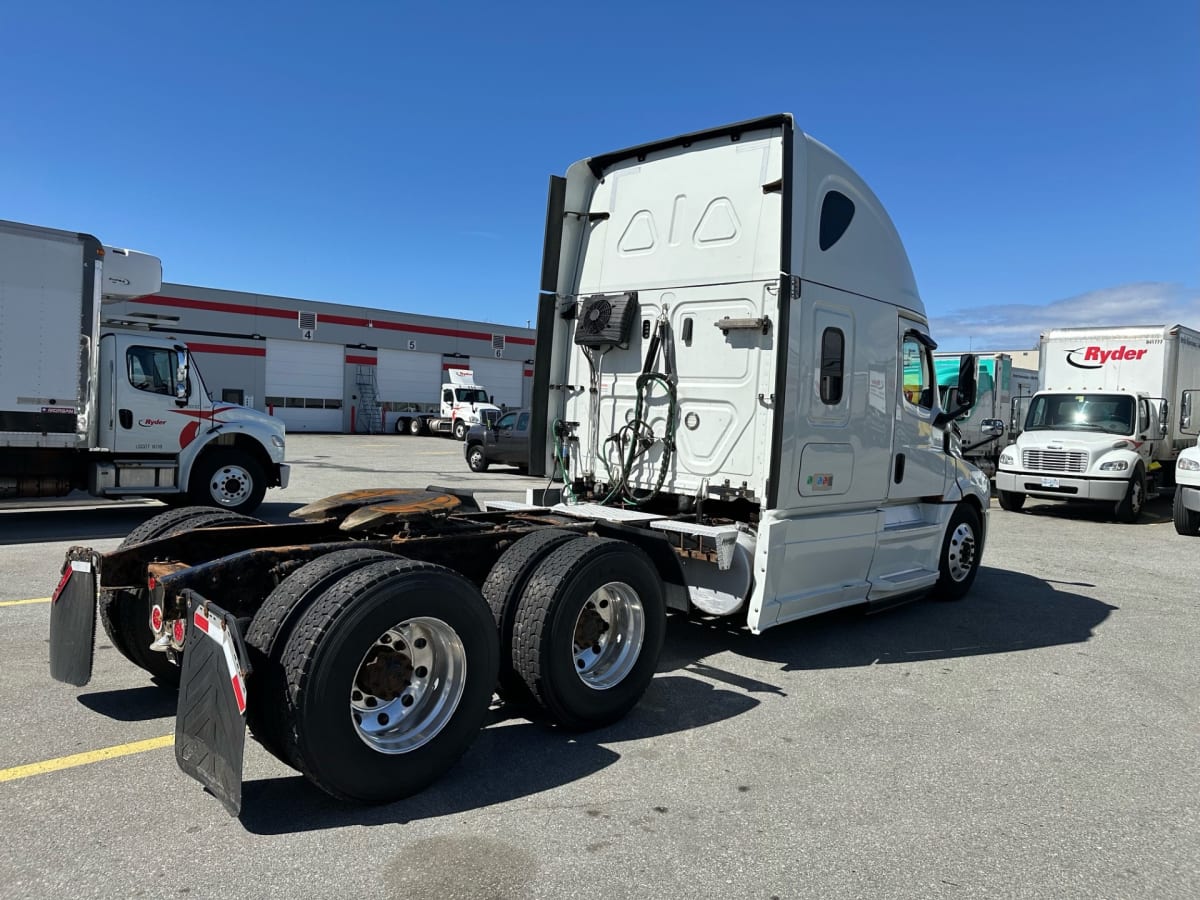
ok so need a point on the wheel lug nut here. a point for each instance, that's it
(407, 700)
(421, 672)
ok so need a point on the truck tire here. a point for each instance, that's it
(416, 427)
(124, 614)
(229, 479)
(1129, 508)
(390, 674)
(477, 459)
(402, 426)
(270, 629)
(460, 430)
(1187, 521)
(503, 589)
(589, 630)
(1012, 501)
(958, 562)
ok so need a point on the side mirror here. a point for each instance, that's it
(967, 385)
(1187, 418)
(961, 397)
(992, 427)
(181, 376)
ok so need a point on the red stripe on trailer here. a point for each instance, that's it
(361, 360)
(446, 367)
(201, 620)
(237, 692)
(329, 318)
(62, 583)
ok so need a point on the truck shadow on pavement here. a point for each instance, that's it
(69, 522)
(1155, 512)
(515, 758)
(1005, 611)
(511, 759)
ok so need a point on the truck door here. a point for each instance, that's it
(918, 458)
(147, 418)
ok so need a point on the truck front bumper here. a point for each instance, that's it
(1191, 497)
(1062, 487)
(285, 472)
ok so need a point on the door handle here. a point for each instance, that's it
(898, 474)
(126, 417)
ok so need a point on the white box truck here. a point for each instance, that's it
(1106, 426)
(463, 403)
(1000, 388)
(735, 381)
(118, 413)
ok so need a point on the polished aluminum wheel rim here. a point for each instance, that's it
(230, 485)
(408, 685)
(961, 553)
(608, 637)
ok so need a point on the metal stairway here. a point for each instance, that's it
(367, 420)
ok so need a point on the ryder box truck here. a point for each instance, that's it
(86, 404)
(1110, 420)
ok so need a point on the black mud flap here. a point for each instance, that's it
(210, 723)
(73, 618)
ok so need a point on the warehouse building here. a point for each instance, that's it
(329, 367)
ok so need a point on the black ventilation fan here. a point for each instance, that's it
(606, 320)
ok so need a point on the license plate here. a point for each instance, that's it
(1050, 483)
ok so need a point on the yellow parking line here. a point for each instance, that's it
(83, 759)
(24, 602)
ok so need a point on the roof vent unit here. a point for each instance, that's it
(606, 320)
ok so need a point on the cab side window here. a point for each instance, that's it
(523, 422)
(447, 396)
(507, 420)
(150, 369)
(917, 384)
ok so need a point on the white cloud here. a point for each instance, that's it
(1017, 326)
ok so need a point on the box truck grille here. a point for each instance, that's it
(1055, 460)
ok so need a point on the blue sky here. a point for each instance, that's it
(1041, 160)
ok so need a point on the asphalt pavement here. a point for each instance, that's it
(1038, 739)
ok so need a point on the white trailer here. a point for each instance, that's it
(1107, 424)
(735, 381)
(86, 404)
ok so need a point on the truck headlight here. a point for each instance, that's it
(1007, 459)
(277, 441)
(1116, 465)
(1187, 465)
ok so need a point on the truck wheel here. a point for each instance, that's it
(416, 427)
(402, 426)
(958, 563)
(390, 674)
(588, 631)
(1187, 521)
(125, 614)
(226, 478)
(477, 459)
(460, 430)
(270, 629)
(502, 590)
(1129, 508)
(1010, 500)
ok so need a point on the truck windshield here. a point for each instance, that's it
(1081, 412)
(471, 395)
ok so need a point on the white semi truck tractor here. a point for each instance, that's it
(735, 383)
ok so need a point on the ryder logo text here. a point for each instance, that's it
(1095, 357)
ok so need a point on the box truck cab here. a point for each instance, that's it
(1106, 428)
